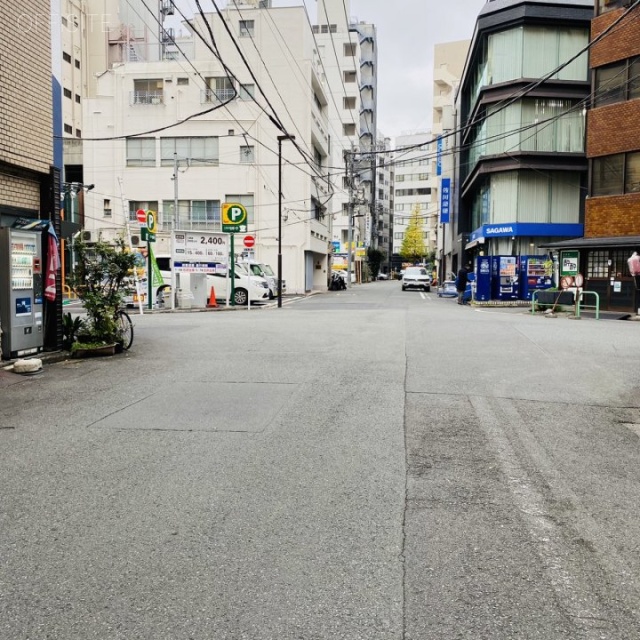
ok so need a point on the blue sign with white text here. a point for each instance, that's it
(445, 200)
(516, 229)
(439, 156)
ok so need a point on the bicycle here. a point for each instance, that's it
(125, 328)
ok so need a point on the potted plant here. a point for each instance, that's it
(100, 278)
(71, 328)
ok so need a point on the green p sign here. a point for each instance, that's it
(234, 218)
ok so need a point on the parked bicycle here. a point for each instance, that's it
(125, 328)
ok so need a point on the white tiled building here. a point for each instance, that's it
(414, 187)
(225, 147)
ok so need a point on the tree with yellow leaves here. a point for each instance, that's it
(413, 248)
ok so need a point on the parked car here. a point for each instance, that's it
(245, 287)
(416, 278)
(383, 276)
(265, 271)
(447, 289)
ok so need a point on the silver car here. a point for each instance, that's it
(416, 278)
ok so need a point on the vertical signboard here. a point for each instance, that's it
(439, 156)
(445, 200)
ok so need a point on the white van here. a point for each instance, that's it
(254, 287)
(265, 271)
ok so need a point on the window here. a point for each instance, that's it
(349, 50)
(106, 208)
(141, 152)
(196, 151)
(398, 235)
(247, 28)
(182, 82)
(610, 83)
(205, 211)
(349, 129)
(68, 128)
(345, 209)
(632, 173)
(318, 210)
(400, 177)
(77, 63)
(247, 155)
(246, 201)
(317, 156)
(617, 82)
(77, 98)
(78, 133)
(219, 89)
(145, 205)
(67, 93)
(147, 92)
(608, 175)
(349, 102)
(247, 91)
(350, 76)
(65, 22)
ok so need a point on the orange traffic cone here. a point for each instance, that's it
(212, 298)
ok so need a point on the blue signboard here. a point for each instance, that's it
(445, 200)
(439, 156)
(336, 246)
(517, 229)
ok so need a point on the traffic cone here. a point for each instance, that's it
(212, 298)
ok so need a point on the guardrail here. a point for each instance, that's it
(577, 301)
(595, 306)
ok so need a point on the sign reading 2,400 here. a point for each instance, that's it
(211, 240)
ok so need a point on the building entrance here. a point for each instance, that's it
(608, 275)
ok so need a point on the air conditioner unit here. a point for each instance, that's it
(86, 236)
(135, 241)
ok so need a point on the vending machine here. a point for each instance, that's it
(504, 275)
(483, 278)
(536, 272)
(21, 292)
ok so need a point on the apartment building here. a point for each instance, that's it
(348, 54)
(448, 64)
(612, 225)
(176, 129)
(413, 190)
(522, 170)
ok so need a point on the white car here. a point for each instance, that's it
(416, 278)
(255, 287)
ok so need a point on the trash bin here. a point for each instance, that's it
(185, 298)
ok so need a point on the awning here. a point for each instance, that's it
(594, 243)
(473, 244)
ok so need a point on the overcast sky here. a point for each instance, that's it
(407, 32)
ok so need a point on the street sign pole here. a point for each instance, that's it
(149, 275)
(232, 271)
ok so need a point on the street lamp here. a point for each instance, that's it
(280, 139)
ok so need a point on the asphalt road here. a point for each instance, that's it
(368, 464)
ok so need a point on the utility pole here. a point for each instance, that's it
(280, 139)
(349, 160)
(175, 191)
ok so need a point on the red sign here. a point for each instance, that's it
(249, 241)
(141, 214)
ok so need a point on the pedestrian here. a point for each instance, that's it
(461, 282)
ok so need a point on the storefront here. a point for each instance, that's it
(603, 263)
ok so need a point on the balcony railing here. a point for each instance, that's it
(147, 97)
(216, 96)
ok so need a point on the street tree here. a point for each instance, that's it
(413, 248)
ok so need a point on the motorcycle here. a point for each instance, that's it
(337, 282)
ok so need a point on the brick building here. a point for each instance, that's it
(27, 177)
(612, 210)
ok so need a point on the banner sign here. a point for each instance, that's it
(445, 200)
(439, 156)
